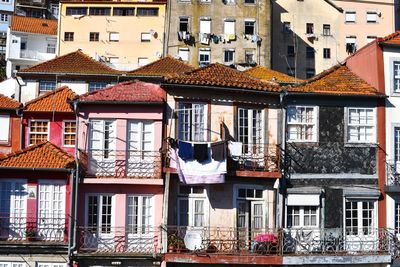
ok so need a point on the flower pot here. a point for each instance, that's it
(171, 249)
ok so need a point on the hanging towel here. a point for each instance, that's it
(235, 149)
(200, 152)
(218, 151)
(232, 37)
(185, 150)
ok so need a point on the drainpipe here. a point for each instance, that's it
(19, 89)
(20, 113)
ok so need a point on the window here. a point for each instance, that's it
(68, 36)
(93, 86)
(397, 217)
(205, 25)
(23, 44)
(114, 37)
(249, 1)
(145, 37)
(192, 206)
(5, 1)
(351, 46)
(192, 122)
(69, 133)
(51, 48)
(102, 137)
(326, 29)
(139, 214)
(359, 217)
(12, 264)
(147, 12)
(396, 76)
(46, 86)
(370, 39)
(76, 11)
(372, 17)
(290, 51)
(249, 27)
(249, 56)
(38, 131)
(310, 28)
(250, 127)
(286, 27)
(100, 11)
(4, 17)
(229, 28)
(302, 216)
(51, 264)
(183, 54)
(327, 53)
(5, 128)
(204, 56)
(397, 144)
(54, 10)
(142, 61)
(361, 125)
(99, 214)
(140, 136)
(350, 16)
(310, 52)
(310, 73)
(229, 56)
(184, 24)
(123, 11)
(302, 123)
(94, 37)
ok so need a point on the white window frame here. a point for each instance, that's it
(204, 52)
(64, 133)
(146, 228)
(233, 56)
(113, 37)
(350, 16)
(302, 215)
(192, 198)
(360, 125)
(93, 86)
(396, 213)
(360, 217)
(396, 64)
(250, 21)
(192, 118)
(315, 124)
(99, 211)
(12, 264)
(229, 26)
(396, 143)
(249, 52)
(5, 126)
(112, 137)
(51, 264)
(250, 119)
(140, 132)
(4, 17)
(371, 17)
(143, 61)
(145, 37)
(183, 54)
(45, 90)
(205, 25)
(30, 132)
(51, 48)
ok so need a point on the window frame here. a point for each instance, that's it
(395, 77)
(192, 197)
(148, 229)
(30, 132)
(315, 123)
(147, 13)
(64, 133)
(69, 36)
(51, 264)
(99, 212)
(185, 50)
(183, 21)
(145, 34)
(230, 52)
(95, 84)
(67, 13)
(310, 28)
(112, 37)
(360, 217)
(374, 129)
(6, 117)
(94, 36)
(204, 52)
(396, 143)
(191, 131)
(326, 30)
(253, 25)
(43, 83)
(351, 13)
(99, 11)
(13, 263)
(123, 11)
(371, 12)
(326, 53)
(302, 216)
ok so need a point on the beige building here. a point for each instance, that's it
(125, 34)
(304, 37)
(232, 32)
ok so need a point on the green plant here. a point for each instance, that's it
(175, 241)
(30, 233)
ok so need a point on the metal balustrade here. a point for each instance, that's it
(122, 164)
(392, 173)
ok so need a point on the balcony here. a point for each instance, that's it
(256, 160)
(122, 164)
(392, 176)
(35, 55)
(132, 240)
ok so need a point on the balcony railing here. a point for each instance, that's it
(392, 173)
(257, 157)
(131, 240)
(32, 54)
(290, 242)
(122, 164)
(26, 229)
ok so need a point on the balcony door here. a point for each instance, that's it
(141, 156)
(102, 147)
(51, 211)
(13, 217)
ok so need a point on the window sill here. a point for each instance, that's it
(361, 145)
(395, 94)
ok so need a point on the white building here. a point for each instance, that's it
(29, 42)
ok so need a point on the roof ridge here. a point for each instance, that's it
(10, 99)
(50, 93)
(158, 61)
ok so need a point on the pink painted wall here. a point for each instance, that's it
(55, 131)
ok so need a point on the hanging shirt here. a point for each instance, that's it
(185, 150)
(218, 151)
(200, 152)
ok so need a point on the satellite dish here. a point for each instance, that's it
(193, 239)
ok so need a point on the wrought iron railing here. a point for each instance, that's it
(105, 239)
(122, 164)
(392, 173)
(26, 229)
(257, 157)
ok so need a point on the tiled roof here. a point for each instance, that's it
(39, 156)
(266, 74)
(126, 92)
(391, 39)
(219, 75)
(8, 103)
(53, 101)
(163, 67)
(337, 80)
(72, 63)
(34, 25)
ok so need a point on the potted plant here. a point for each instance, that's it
(30, 234)
(264, 243)
(175, 243)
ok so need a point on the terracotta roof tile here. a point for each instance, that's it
(73, 63)
(39, 156)
(336, 80)
(53, 101)
(220, 75)
(266, 74)
(163, 67)
(391, 39)
(34, 25)
(8, 103)
(126, 92)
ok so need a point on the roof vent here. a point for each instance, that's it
(44, 24)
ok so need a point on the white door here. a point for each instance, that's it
(102, 147)
(257, 218)
(51, 211)
(13, 196)
(142, 158)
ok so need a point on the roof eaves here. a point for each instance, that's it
(335, 6)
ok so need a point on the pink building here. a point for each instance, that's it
(10, 121)
(119, 141)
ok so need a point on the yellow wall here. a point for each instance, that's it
(128, 49)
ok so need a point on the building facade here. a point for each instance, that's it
(10, 121)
